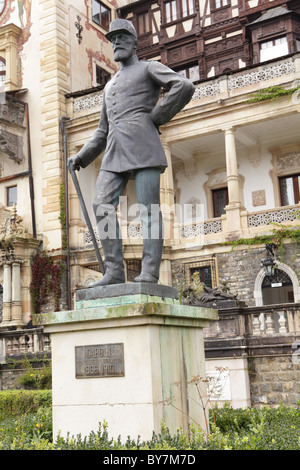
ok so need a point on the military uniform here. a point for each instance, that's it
(131, 115)
(128, 132)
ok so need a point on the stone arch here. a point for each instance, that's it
(261, 275)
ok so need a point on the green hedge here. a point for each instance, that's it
(14, 403)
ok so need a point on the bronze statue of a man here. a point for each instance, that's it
(128, 132)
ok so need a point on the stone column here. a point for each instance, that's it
(231, 167)
(167, 208)
(6, 311)
(234, 207)
(167, 194)
(16, 305)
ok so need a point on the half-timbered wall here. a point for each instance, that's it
(207, 38)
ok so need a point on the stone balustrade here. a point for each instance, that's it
(252, 331)
(23, 342)
(274, 320)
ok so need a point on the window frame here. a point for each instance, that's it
(296, 188)
(143, 14)
(214, 5)
(106, 74)
(186, 68)
(178, 10)
(213, 193)
(193, 266)
(273, 40)
(8, 188)
(105, 26)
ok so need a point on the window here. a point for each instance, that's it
(101, 14)
(133, 269)
(2, 72)
(221, 3)
(192, 73)
(171, 11)
(298, 44)
(102, 76)
(274, 48)
(143, 23)
(207, 269)
(11, 195)
(176, 9)
(204, 274)
(220, 200)
(289, 190)
(187, 7)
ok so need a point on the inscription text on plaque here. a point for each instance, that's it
(100, 360)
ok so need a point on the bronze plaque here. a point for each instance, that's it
(99, 360)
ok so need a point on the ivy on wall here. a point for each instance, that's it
(279, 235)
(46, 280)
(272, 93)
(62, 217)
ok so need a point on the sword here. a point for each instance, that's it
(87, 219)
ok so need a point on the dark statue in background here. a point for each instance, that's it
(128, 132)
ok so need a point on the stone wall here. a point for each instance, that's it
(274, 380)
(9, 378)
(240, 267)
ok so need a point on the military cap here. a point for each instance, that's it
(120, 25)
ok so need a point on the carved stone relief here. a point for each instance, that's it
(259, 198)
(12, 127)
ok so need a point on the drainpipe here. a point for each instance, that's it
(62, 126)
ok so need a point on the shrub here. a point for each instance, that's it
(39, 379)
(26, 423)
(14, 403)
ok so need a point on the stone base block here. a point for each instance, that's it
(126, 364)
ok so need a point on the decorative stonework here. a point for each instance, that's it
(274, 216)
(197, 230)
(289, 160)
(259, 198)
(11, 145)
(89, 102)
(206, 90)
(261, 74)
(10, 227)
(218, 386)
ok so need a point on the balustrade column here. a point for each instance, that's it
(6, 310)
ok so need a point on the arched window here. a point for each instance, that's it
(2, 72)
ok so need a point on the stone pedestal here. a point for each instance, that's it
(121, 356)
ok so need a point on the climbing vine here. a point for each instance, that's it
(46, 279)
(62, 217)
(272, 93)
(278, 237)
